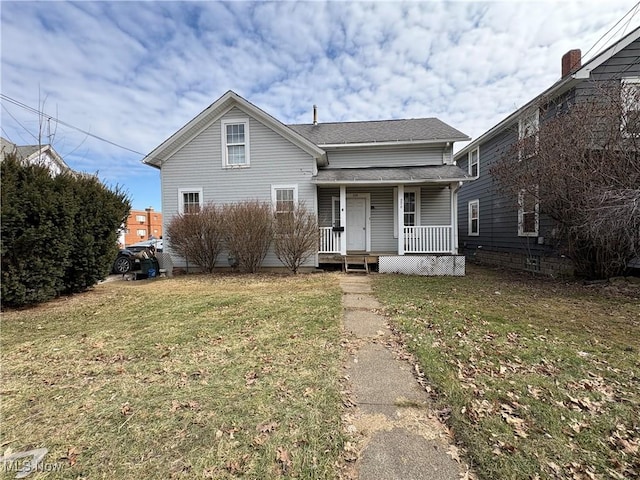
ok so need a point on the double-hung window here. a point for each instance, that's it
(528, 130)
(474, 162)
(411, 208)
(528, 214)
(285, 199)
(189, 200)
(630, 92)
(235, 143)
(474, 218)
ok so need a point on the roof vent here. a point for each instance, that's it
(315, 115)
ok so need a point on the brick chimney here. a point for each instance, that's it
(571, 61)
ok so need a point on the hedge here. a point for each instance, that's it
(58, 234)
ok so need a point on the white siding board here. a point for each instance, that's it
(382, 220)
(274, 161)
(385, 156)
(435, 205)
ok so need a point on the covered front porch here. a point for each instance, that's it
(388, 219)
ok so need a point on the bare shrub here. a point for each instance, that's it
(296, 237)
(198, 236)
(248, 232)
(585, 174)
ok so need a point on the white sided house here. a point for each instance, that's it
(384, 192)
(44, 155)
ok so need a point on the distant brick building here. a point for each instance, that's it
(142, 225)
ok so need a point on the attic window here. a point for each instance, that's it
(528, 128)
(474, 162)
(235, 143)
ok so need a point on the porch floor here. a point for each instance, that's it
(371, 257)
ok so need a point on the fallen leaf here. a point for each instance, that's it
(72, 455)
(454, 453)
(555, 467)
(267, 427)
(250, 378)
(282, 457)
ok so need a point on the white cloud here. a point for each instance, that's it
(136, 72)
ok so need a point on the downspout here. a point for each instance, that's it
(454, 216)
(400, 214)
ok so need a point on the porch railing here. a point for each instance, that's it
(329, 241)
(431, 239)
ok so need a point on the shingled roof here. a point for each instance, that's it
(379, 131)
(394, 175)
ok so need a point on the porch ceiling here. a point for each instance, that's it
(392, 175)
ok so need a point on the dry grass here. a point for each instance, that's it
(542, 378)
(206, 377)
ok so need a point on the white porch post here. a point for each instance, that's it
(343, 219)
(453, 188)
(400, 219)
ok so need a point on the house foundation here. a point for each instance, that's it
(427, 265)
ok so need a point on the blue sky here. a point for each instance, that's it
(135, 72)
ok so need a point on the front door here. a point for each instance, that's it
(356, 224)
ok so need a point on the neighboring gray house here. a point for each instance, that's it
(32, 154)
(514, 233)
(384, 191)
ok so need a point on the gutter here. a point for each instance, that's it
(393, 143)
(390, 182)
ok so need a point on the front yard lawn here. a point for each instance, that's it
(542, 377)
(205, 377)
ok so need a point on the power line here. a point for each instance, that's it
(49, 117)
(18, 122)
(635, 7)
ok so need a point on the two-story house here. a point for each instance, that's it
(512, 232)
(35, 154)
(383, 191)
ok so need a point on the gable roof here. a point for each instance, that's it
(32, 152)
(212, 113)
(404, 131)
(561, 86)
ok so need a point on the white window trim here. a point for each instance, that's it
(223, 139)
(274, 199)
(395, 207)
(521, 213)
(182, 191)
(141, 218)
(535, 113)
(470, 231)
(143, 234)
(470, 156)
(625, 103)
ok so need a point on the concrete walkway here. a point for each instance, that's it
(399, 436)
